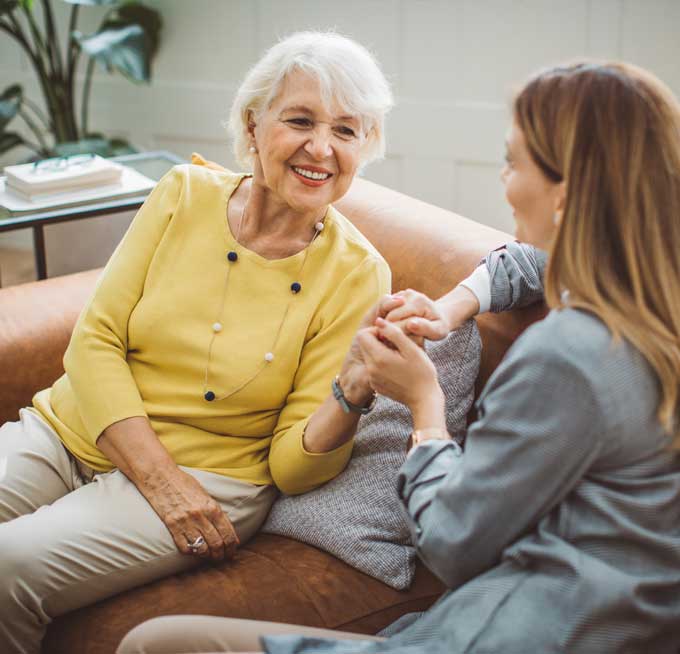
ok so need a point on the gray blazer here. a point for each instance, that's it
(558, 528)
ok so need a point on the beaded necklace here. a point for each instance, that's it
(295, 288)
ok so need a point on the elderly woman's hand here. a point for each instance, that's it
(189, 512)
(353, 378)
(400, 369)
(180, 501)
(353, 372)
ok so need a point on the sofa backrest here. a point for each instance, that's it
(429, 249)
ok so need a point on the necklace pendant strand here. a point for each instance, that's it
(217, 326)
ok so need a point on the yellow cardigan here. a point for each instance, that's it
(140, 346)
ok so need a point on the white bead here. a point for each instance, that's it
(269, 357)
(252, 149)
(319, 227)
(217, 327)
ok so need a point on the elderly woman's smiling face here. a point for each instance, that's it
(308, 153)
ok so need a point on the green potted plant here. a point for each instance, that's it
(126, 41)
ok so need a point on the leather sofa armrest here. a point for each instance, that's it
(36, 321)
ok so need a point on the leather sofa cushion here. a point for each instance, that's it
(36, 321)
(271, 578)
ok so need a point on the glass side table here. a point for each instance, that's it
(152, 164)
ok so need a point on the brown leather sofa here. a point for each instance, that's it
(271, 578)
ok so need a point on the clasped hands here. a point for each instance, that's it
(387, 355)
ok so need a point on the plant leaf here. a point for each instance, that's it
(120, 146)
(9, 140)
(10, 103)
(135, 13)
(124, 49)
(94, 144)
(84, 146)
(101, 146)
(126, 41)
(92, 3)
(27, 4)
(8, 5)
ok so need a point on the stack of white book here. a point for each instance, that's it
(69, 181)
(44, 178)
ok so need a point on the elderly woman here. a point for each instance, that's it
(198, 378)
(558, 528)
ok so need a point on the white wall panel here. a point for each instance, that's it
(21, 238)
(432, 58)
(480, 195)
(187, 108)
(211, 149)
(453, 64)
(10, 55)
(375, 23)
(651, 37)
(83, 244)
(605, 23)
(387, 172)
(432, 179)
(455, 130)
(503, 42)
(210, 42)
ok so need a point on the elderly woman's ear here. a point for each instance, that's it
(251, 122)
(252, 148)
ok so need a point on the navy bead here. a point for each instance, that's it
(296, 287)
(232, 256)
(209, 396)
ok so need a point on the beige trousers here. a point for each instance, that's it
(202, 634)
(67, 541)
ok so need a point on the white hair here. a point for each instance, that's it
(347, 74)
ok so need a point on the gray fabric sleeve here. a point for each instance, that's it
(516, 274)
(538, 432)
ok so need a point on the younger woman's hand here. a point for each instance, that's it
(421, 317)
(418, 315)
(396, 366)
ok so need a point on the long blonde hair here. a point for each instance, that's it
(612, 132)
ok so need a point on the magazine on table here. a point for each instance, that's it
(68, 181)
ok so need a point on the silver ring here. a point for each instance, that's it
(197, 544)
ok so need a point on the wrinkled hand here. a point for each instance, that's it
(419, 316)
(396, 366)
(188, 512)
(354, 379)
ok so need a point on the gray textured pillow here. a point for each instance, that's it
(357, 516)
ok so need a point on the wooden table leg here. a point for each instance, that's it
(39, 251)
